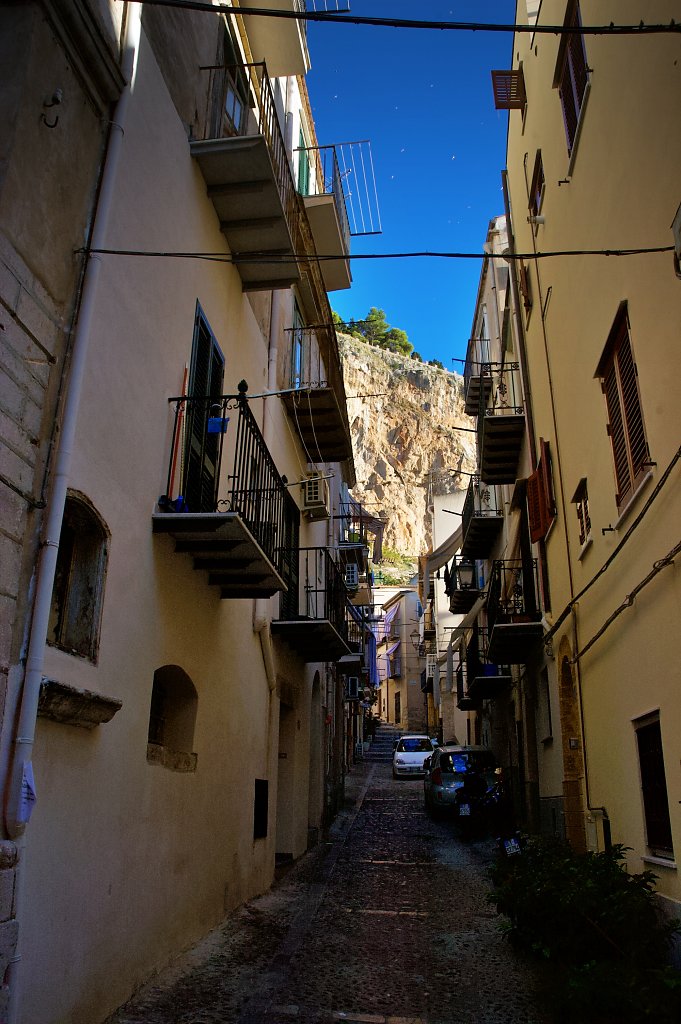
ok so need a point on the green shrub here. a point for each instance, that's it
(598, 923)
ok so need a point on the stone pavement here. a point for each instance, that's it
(386, 922)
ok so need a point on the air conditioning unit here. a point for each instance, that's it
(316, 497)
(352, 577)
(352, 688)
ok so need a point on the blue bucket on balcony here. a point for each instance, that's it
(217, 424)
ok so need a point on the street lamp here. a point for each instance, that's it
(465, 571)
(415, 638)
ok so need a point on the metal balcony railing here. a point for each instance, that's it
(241, 105)
(217, 429)
(324, 178)
(504, 396)
(477, 356)
(318, 593)
(310, 359)
(513, 590)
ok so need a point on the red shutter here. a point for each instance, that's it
(540, 502)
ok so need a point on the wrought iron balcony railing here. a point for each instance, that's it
(481, 519)
(203, 438)
(477, 356)
(313, 612)
(513, 612)
(501, 421)
(321, 176)
(486, 679)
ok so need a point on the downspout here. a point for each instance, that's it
(17, 808)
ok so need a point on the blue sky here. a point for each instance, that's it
(424, 99)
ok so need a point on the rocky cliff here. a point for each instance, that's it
(403, 419)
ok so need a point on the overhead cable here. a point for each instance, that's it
(418, 23)
(274, 258)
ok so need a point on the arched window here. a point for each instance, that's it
(172, 717)
(78, 589)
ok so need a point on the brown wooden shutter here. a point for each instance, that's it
(633, 417)
(540, 502)
(509, 90)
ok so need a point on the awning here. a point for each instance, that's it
(442, 554)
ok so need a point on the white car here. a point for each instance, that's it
(410, 753)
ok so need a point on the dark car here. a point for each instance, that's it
(463, 779)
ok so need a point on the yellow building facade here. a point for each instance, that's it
(594, 148)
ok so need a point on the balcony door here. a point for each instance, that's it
(201, 448)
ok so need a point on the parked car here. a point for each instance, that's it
(409, 756)
(465, 780)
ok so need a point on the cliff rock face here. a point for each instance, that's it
(403, 419)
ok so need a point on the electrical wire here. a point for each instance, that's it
(274, 258)
(415, 23)
(569, 606)
(628, 601)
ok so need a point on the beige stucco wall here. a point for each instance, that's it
(127, 861)
(621, 192)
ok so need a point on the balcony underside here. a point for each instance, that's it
(489, 687)
(312, 639)
(480, 535)
(221, 544)
(502, 438)
(467, 704)
(320, 423)
(461, 601)
(329, 241)
(243, 188)
(472, 406)
(363, 596)
(281, 42)
(355, 659)
(513, 643)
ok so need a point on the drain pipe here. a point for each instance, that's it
(19, 792)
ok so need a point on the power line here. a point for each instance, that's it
(416, 23)
(277, 258)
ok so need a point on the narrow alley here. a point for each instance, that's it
(385, 922)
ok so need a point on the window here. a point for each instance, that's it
(581, 501)
(537, 186)
(78, 588)
(202, 448)
(572, 76)
(654, 785)
(619, 381)
(260, 808)
(541, 509)
(172, 717)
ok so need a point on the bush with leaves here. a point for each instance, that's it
(598, 923)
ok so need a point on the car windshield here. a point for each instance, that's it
(415, 745)
(470, 761)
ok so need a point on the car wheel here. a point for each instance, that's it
(394, 774)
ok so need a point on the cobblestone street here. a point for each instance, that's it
(384, 923)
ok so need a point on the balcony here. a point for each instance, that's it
(461, 586)
(244, 163)
(501, 423)
(512, 613)
(316, 400)
(356, 637)
(321, 185)
(481, 520)
(281, 42)
(474, 381)
(486, 680)
(313, 612)
(237, 528)
(464, 701)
